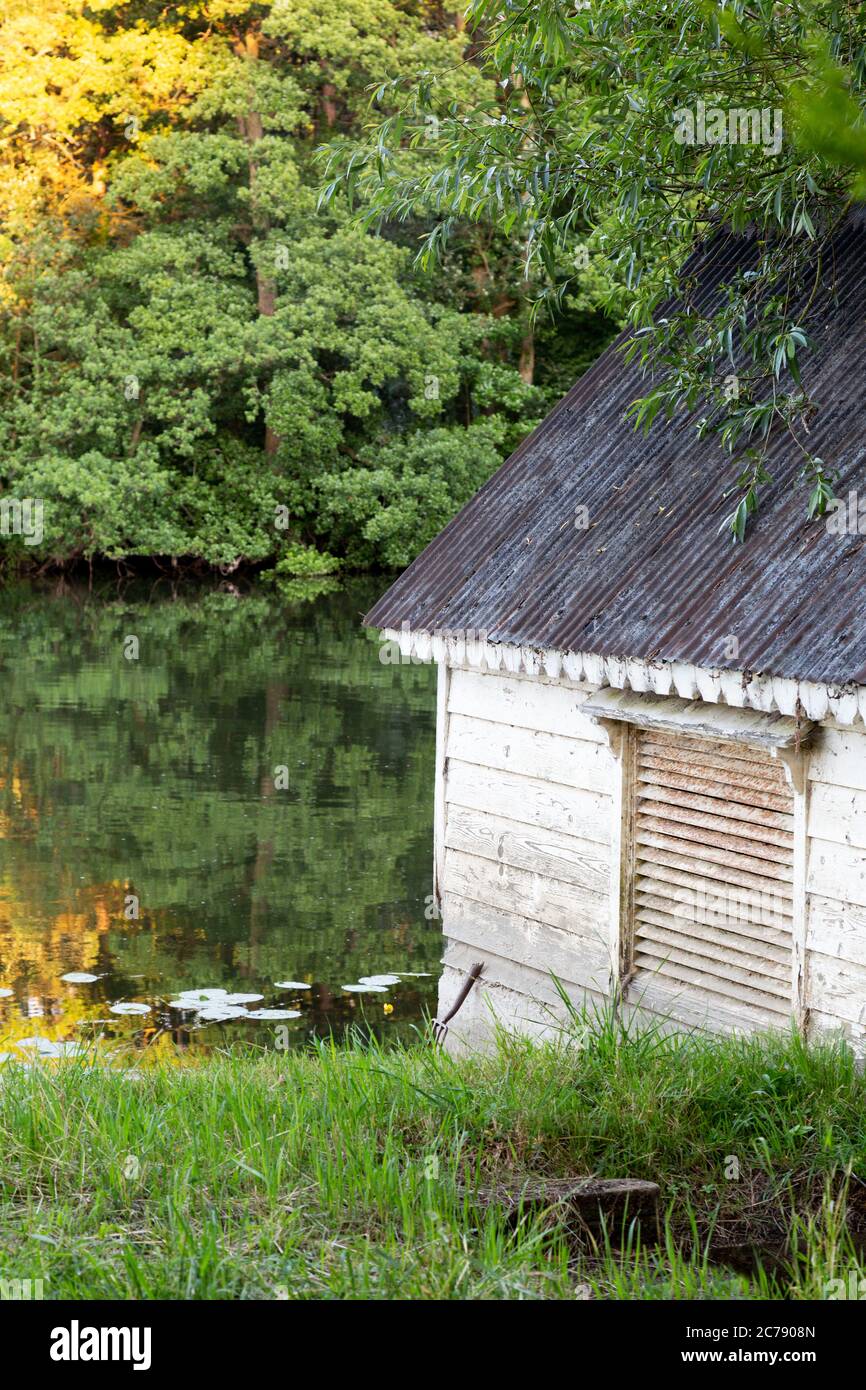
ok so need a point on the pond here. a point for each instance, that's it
(203, 789)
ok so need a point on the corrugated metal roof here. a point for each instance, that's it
(652, 577)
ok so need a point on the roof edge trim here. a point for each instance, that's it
(815, 700)
(696, 718)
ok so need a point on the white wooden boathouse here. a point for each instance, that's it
(651, 750)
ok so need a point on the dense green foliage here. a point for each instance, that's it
(648, 124)
(202, 357)
(195, 359)
(338, 1174)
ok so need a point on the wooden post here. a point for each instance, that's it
(620, 740)
(795, 762)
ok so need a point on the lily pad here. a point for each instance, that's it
(379, 979)
(232, 999)
(203, 996)
(6, 993)
(273, 1014)
(220, 1013)
(44, 1046)
(79, 977)
(129, 1009)
(291, 984)
(49, 1048)
(365, 989)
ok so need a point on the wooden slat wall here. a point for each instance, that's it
(713, 879)
(525, 848)
(836, 884)
(527, 840)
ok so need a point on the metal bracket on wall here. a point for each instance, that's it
(440, 1026)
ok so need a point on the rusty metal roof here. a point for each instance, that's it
(652, 577)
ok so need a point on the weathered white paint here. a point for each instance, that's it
(517, 999)
(443, 685)
(534, 984)
(836, 887)
(837, 988)
(549, 805)
(817, 700)
(530, 753)
(584, 864)
(620, 893)
(576, 959)
(523, 703)
(840, 759)
(534, 833)
(838, 813)
(796, 762)
(837, 871)
(829, 1029)
(836, 929)
(530, 896)
(696, 718)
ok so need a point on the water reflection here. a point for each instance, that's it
(246, 801)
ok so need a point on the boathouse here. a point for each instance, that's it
(651, 751)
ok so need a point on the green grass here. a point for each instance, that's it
(336, 1173)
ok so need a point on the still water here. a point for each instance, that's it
(206, 790)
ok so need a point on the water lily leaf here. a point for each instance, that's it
(44, 1046)
(6, 993)
(203, 996)
(231, 999)
(365, 989)
(129, 1009)
(274, 1013)
(78, 977)
(291, 984)
(379, 979)
(219, 1013)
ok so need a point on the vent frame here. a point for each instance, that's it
(711, 874)
(620, 716)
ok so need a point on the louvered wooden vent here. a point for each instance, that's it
(712, 878)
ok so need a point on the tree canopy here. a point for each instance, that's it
(637, 129)
(198, 360)
(282, 283)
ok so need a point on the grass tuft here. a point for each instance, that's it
(342, 1172)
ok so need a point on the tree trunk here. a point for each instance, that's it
(526, 366)
(329, 103)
